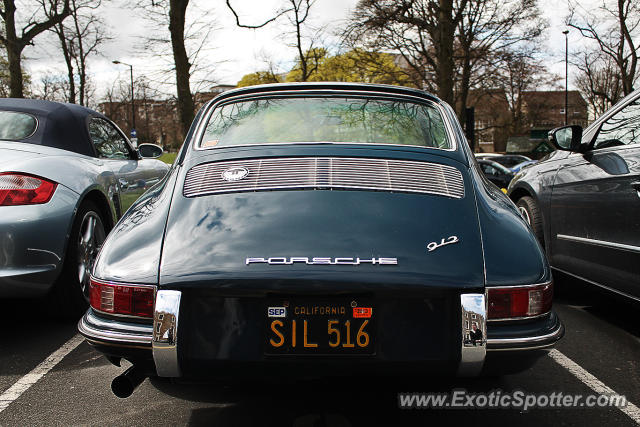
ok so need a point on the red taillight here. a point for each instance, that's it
(525, 301)
(117, 298)
(19, 189)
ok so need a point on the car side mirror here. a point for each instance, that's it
(567, 138)
(150, 151)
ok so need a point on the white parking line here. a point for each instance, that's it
(593, 383)
(24, 383)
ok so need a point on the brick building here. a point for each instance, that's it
(540, 111)
(546, 110)
(157, 121)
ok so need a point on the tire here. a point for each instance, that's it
(529, 210)
(70, 294)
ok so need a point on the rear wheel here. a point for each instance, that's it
(529, 210)
(71, 291)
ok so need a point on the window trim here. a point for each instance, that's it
(596, 126)
(331, 93)
(35, 129)
(132, 152)
(592, 144)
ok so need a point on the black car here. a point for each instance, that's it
(507, 160)
(321, 229)
(496, 173)
(583, 201)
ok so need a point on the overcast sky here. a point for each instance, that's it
(232, 52)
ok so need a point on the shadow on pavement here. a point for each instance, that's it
(29, 334)
(331, 402)
(607, 306)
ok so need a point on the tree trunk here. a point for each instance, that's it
(15, 44)
(67, 59)
(81, 61)
(15, 72)
(186, 107)
(14, 49)
(443, 43)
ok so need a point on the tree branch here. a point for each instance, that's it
(268, 21)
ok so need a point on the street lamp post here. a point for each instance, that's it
(133, 107)
(566, 77)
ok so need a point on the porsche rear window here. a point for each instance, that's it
(15, 126)
(329, 119)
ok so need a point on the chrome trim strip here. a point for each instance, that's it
(602, 243)
(473, 308)
(94, 328)
(533, 347)
(302, 93)
(521, 343)
(624, 294)
(509, 319)
(355, 173)
(165, 333)
(520, 286)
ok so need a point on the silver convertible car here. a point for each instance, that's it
(67, 173)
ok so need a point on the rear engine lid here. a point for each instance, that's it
(319, 236)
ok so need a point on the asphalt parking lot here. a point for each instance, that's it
(49, 376)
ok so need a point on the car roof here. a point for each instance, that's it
(326, 87)
(60, 125)
(459, 151)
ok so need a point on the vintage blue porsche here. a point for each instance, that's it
(321, 229)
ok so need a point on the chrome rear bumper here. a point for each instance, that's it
(114, 332)
(161, 337)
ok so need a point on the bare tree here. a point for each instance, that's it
(117, 103)
(79, 39)
(47, 13)
(612, 27)
(297, 13)
(53, 87)
(188, 38)
(599, 80)
(421, 31)
(5, 79)
(448, 46)
(490, 33)
(520, 72)
(177, 16)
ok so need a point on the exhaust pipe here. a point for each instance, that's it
(124, 384)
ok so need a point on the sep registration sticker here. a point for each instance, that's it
(362, 312)
(277, 311)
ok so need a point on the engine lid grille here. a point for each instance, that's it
(324, 173)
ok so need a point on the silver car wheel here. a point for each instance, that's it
(90, 240)
(524, 214)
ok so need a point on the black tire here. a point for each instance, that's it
(530, 211)
(70, 294)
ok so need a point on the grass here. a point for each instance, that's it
(168, 157)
